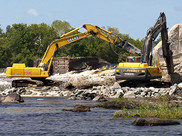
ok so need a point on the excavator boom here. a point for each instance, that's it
(167, 53)
(91, 30)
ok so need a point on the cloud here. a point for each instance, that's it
(33, 12)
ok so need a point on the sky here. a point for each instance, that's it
(133, 17)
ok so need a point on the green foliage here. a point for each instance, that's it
(4, 53)
(160, 111)
(61, 27)
(1, 32)
(24, 44)
(114, 30)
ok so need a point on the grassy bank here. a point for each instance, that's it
(164, 107)
(163, 112)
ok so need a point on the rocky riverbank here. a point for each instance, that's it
(97, 87)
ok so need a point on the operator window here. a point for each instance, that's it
(130, 59)
(138, 59)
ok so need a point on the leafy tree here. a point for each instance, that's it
(61, 27)
(4, 50)
(114, 30)
(1, 32)
(27, 43)
(4, 53)
(16, 41)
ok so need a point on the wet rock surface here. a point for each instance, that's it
(12, 98)
(119, 105)
(79, 108)
(154, 122)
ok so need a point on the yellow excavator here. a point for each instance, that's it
(145, 70)
(43, 70)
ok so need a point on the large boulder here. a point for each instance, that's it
(90, 80)
(119, 104)
(154, 122)
(175, 40)
(12, 98)
(129, 95)
(81, 108)
(100, 98)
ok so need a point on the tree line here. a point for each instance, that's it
(22, 43)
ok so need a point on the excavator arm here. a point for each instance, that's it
(91, 30)
(167, 53)
(68, 38)
(153, 32)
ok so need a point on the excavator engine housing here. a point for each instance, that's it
(137, 71)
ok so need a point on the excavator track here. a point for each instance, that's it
(26, 83)
(32, 83)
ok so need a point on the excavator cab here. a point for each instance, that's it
(133, 59)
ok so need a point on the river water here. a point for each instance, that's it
(44, 117)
